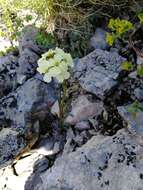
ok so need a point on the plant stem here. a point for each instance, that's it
(63, 96)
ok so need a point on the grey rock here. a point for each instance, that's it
(100, 163)
(21, 78)
(8, 78)
(133, 120)
(27, 63)
(139, 60)
(16, 70)
(99, 72)
(27, 39)
(98, 41)
(133, 75)
(29, 51)
(83, 125)
(138, 92)
(82, 109)
(45, 146)
(55, 109)
(10, 144)
(34, 163)
(28, 172)
(21, 112)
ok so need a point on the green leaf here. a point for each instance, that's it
(127, 66)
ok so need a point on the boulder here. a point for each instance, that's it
(99, 72)
(29, 52)
(83, 109)
(102, 163)
(20, 113)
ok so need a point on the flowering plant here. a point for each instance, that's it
(118, 28)
(56, 64)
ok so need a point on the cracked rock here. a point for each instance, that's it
(102, 161)
(83, 109)
(133, 119)
(99, 72)
(20, 112)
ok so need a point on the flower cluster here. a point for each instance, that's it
(55, 63)
(118, 29)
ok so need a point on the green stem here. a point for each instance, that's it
(63, 96)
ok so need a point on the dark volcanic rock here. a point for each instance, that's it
(99, 72)
(20, 112)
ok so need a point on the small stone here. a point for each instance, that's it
(83, 109)
(98, 41)
(55, 110)
(83, 125)
(21, 79)
(138, 92)
(45, 146)
(134, 120)
(139, 60)
(133, 75)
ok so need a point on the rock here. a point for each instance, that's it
(21, 112)
(8, 78)
(10, 144)
(99, 72)
(133, 75)
(134, 119)
(27, 39)
(100, 163)
(98, 41)
(82, 109)
(138, 92)
(55, 110)
(14, 71)
(45, 146)
(83, 125)
(21, 78)
(28, 172)
(31, 164)
(29, 51)
(139, 60)
(27, 63)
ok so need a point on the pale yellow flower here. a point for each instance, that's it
(55, 63)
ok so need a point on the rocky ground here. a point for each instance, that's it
(101, 146)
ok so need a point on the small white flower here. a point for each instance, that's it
(55, 63)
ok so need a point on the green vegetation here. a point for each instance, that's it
(140, 16)
(68, 21)
(134, 108)
(8, 50)
(127, 66)
(118, 29)
(140, 70)
(45, 40)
